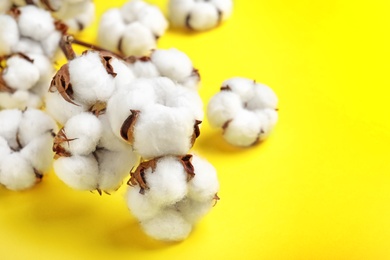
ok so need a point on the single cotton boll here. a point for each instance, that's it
(9, 125)
(114, 167)
(243, 130)
(167, 183)
(9, 33)
(33, 124)
(83, 19)
(26, 45)
(35, 23)
(86, 131)
(241, 86)
(204, 185)
(137, 40)
(168, 225)
(17, 173)
(264, 97)
(20, 73)
(144, 69)
(222, 107)
(203, 17)
(90, 80)
(109, 140)
(178, 11)
(60, 109)
(140, 205)
(78, 172)
(39, 153)
(111, 28)
(192, 210)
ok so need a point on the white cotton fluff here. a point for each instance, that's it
(85, 129)
(81, 20)
(204, 185)
(167, 183)
(268, 118)
(27, 45)
(140, 205)
(35, 23)
(20, 99)
(78, 172)
(222, 107)
(193, 210)
(168, 225)
(9, 33)
(263, 97)
(17, 173)
(5, 150)
(137, 40)
(124, 76)
(111, 28)
(243, 87)
(109, 140)
(20, 73)
(243, 130)
(9, 124)
(90, 80)
(39, 153)
(144, 69)
(178, 11)
(50, 44)
(203, 16)
(114, 167)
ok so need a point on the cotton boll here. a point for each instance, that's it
(90, 80)
(39, 153)
(168, 225)
(243, 130)
(9, 125)
(168, 182)
(144, 69)
(268, 119)
(17, 173)
(114, 167)
(111, 28)
(9, 32)
(33, 124)
(85, 129)
(178, 11)
(203, 17)
(35, 23)
(204, 185)
(27, 45)
(140, 205)
(222, 107)
(44, 66)
(137, 40)
(192, 210)
(20, 73)
(78, 172)
(241, 86)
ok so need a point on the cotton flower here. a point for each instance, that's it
(245, 110)
(199, 15)
(133, 29)
(25, 147)
(170, 194)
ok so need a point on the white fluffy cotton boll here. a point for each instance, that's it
(267, 118)
(17, 173)
(39, 153)
(192, 210)
(111, 28)
(35, 23)
(9, 33)
(35, 123)
(167, 183)
(225, 7)
(9, 125)
(168, 225)
(78, 172)
(60, 109)
(90, 80)
(20, 73)
(188, 99)
(137, 40)
(243, 130)
(114, 167)
(20, 99)
(178, 11)
(132, 9)
(85, 129)
(152, 17)
(203, 17)
(223, 107)
(204, 185)
(140, 205)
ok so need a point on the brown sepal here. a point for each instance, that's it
(4, 87)
(61, 83)
(137, 177)
(14, 12)
(188, 167)
(127, 129)
(98, 108)
(106, 61)
(196, 131)
(38, 175)
(57, 144)
(61, 27)
(195, 72)
(47, 4)
(216, 199)
(226, 124)
(226, 88)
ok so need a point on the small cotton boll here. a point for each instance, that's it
(111, 28)
(137, 40)
(192, 210)
(9, 125)
(86, 130)
(109, 140)
(241, 86)
(204, 185)
(168, 182)
(20, 73)
(203, 16)
(243, 130)
(9, 33)
(168, 225)
(43, 64)
(114, 167)
(178, 11)
(132, 9)
(90, 80)
(17, 173)
(27, 45)
(223, 107)
(144, 69)
(140, 205)
(78, 172)
(39, 153)
(33, 124)
(35, 23)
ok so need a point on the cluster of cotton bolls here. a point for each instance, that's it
(132, 29)
(26, 139)
(245, 110)
(199, 15)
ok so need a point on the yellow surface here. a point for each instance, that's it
(318, 188)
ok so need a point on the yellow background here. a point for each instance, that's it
(318, 188)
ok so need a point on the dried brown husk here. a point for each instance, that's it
(61, 83)
(58, 149)
(127, 129)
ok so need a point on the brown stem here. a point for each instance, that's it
(95, 47)
(66, 47)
